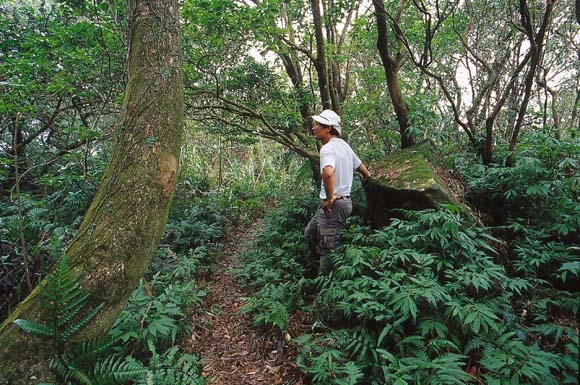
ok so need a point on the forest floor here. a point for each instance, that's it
(233, 352)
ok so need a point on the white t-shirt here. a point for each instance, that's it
(338, 154)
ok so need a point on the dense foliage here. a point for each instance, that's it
(433, 298)
(65, 303)
(57, 112)
(143, 343)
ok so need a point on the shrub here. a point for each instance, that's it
(423, 300)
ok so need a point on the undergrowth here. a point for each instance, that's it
(142, 347)
(156, 316)
(278, 269)
(431, 298)
(86, 362)
(146, 336)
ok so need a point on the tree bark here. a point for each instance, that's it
(575, 119)
(536, 48)
(18, 154)
(391, 67)
(320, 61)
(121, 229)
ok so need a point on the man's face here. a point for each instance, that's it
(319, 131)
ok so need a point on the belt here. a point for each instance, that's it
(339, 197)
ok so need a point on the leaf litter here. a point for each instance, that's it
(233, 352)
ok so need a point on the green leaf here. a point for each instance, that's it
(34, 328)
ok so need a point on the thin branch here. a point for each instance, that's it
(19, 200)
(295, 46)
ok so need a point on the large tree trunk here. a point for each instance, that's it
(123, 225)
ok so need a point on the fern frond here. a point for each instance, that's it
(77, 326)
(61, 285)
(36, 212)
(64, 283)
(472, 344)
(68, 311)
(34, 328)
(62, 276)
(172, 356)
(72, 302)
(62, 367)
(88, 350)
(155, 359)
(116, 370)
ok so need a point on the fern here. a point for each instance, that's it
(171, 368)
(447, 369)
(34, 328)
(88, 351)
(65, 304)
(510, 360)
(116, 370)
(427, 299)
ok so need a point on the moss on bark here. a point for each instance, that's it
(121, 229)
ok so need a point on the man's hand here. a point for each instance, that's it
(364, 172)
(327, 204)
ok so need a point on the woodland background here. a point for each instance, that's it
(494, 86)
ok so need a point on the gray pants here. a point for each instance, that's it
(323, 231)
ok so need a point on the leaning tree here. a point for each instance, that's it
(121, 229)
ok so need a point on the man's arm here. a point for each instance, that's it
(363, 171)
(328, 179)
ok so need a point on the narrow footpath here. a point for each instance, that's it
(231, 350)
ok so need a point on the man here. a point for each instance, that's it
(337, 162)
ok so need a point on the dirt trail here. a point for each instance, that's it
(232, 352)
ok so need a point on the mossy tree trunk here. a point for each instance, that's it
(123, 225)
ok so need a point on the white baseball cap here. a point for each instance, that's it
(329, 118)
